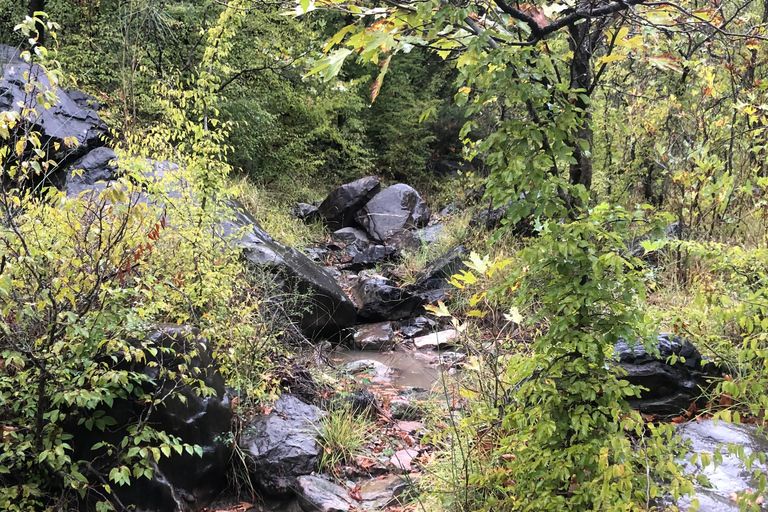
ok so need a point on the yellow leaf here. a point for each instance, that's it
(607, 59)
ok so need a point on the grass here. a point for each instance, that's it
(273, 211)
(342, 435)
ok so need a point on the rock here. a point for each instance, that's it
(351, 236)
(451, 359)
(491, 219)
(395, 208)
(180, 482)
(306, 212)
(280, 447)
(436, 274)
(671, 387)
(402, 459)
(378, 371)
(328, 309)
(404, 409)
(409, 426)
(418, 326)
(378, 336)
(728, 476)
(368, 258)
(403, 240)
(316, 494)
(83, 100)
(449, 168)
(430, 234)
(384, 492)
(380, 299)
(341, 205)
(64, 120)
(437, 340)
(88, 173)
(674, 231)
(363, 402)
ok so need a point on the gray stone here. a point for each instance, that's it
(403, 240)
(92, 171)
(418, 326)
(378, 371)
(384, 492)
(316, 494)
(64, 120)
(306, 212)
(370, 257)
(351, 236)
(328, 309)
(441, 339)
(341, 205)
(395, 208)
(281, 446)
(379, 336)
(380, 299)
(671, 387)
(436, 274)
(430, 234)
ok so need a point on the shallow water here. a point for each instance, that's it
(410, 368)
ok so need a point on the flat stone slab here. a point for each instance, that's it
(440, 339)
(403, 458)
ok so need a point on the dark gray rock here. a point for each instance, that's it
(395, 208)
(316, 494)
(418, 326)
(180, 482)
(403, 240)
(281, 446)
(378, 336)
(64, 120)
(435, 275)
(671, 387)
(83, 100)
(380, 299)
(449, 168)
(328, 309)
(730, 475)
(92, 171)
(674, 231)
(306, 212)
(491, 219)
(430, 234)
(351, 236)
(371, 256)
(341, 205)
(380, 493)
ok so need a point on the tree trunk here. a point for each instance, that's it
(582, 42)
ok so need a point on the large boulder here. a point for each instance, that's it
(340, 206)
(728, 476)
(280, 447)
(380, 299)
(671, 385)
(91, 172)
(181, 482)
(395, 208)
(65, 121)
(327, 309)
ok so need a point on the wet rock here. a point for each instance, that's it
(328, 309)
(83, 100)
(341, 205)
(436, 340)
(370, 257)
(436, 274)
(451, 359)
(405, 409)
(180, 482)
(380, 299)
(378, 371)
(64, 120)
(395, 208)
(418, 326)
(671, 387)
(351, 236)
(730, 475)
(384, 492)
(316, 494)
(402, 459)
(306, 212)
(280, 447)
(403, 240)
(363, 402)
(379, 336)
(409, 426)
(430, 234)
(88, 173)
(674, 231)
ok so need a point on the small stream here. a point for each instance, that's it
(411, 368)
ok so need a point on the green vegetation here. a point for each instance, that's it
(599, 123)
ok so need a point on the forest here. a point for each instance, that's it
(391, 255)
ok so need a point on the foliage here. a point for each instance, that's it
(342, 435)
